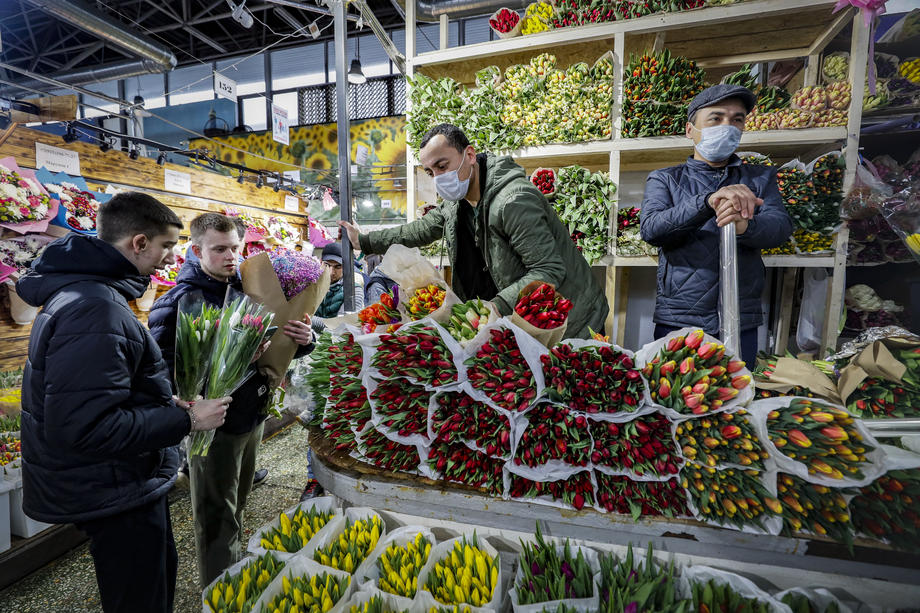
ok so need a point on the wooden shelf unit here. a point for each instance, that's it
(720, 39)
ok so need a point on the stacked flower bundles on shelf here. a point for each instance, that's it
(22, 198)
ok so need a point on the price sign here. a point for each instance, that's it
(175, 181)
(224, 87)
(280, 132)
(292, 204)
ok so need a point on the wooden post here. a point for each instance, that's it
(444, 31)
(859, 56)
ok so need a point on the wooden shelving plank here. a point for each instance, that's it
(770, 261)
(745, 28)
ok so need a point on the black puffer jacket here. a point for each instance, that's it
(677, 218)
(248, 407)
(98, 422)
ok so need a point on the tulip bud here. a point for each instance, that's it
(798, 438)
(707, 351)
(694, 339)
(734, 366)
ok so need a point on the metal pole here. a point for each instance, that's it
(341, 95)
(731, 336)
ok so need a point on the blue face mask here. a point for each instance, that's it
(718, 142)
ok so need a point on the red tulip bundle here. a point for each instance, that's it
(386, 454)
(544, 307)
(576, 491)
(620, 494)
(500, 371)
(457, 417)
(457, 462)
(554, 433)
(418, 352)
(403, 406)
(347, 410)
(643, 446)
(593, 379)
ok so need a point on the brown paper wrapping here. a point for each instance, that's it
(790, 372)
(262, 285)
(875, 361)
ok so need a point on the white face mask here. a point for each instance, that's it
(718, 142)
(449, 184)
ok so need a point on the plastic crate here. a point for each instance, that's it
(20, 524)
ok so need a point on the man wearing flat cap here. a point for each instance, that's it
(685, 206)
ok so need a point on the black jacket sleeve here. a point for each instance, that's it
(90, 365)
(162, 324)
(771, 225)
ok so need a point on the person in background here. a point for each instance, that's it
(333, 305)
(261, 474)
(222, 480)
(378, 283)
(99, 424)
(685, 207)
(501, 234)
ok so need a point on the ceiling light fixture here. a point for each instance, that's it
(161, 159)
(70, 135)
(259, 181)
(355, 74)
(240, 14)
(240, 179)
(133, 153)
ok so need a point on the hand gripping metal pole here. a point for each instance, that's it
(728, 290)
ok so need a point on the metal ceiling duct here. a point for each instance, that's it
(153, 56)
(431, 10)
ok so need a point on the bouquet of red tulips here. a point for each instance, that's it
(387, 454)
(500, 370)
(545, 181)
(418, 351)
(620, 494)
(542, 312)
(456, 418)
(554, 434)
(690, 373)
(347, 411)
(593, 377)
(574, 491)
(346, 357)
(400, 409)
(643, 447)
(887, 508)
(458, 463)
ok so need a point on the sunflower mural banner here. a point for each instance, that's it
(379, 187)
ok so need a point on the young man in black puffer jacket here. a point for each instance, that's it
(221, 481)
(99, 424)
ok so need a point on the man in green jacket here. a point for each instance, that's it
(500, 232)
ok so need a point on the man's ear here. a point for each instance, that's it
(139, 242)
(196, 250)
(688, 130)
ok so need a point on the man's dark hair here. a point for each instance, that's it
(216, 222)
(454, 135)
(241, 226)
(132, 213)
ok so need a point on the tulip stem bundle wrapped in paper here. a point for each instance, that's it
(220, 348)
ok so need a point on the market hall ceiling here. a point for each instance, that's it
(34, 39)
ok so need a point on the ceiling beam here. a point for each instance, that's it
(206, 11)
(207, 19)
(90, 50)
(197, 34)
(164, 8)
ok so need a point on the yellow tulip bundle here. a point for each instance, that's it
(453, 609)
(352, 546)
(399, 566)
(293, 533)
(317, 594)
(238, 593)
(374, 604)
(467, 576)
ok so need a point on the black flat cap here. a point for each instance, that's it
(333, 252)
(718, 93)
